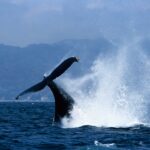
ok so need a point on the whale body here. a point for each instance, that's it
(63, 102)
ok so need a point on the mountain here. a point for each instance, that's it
(22, 67)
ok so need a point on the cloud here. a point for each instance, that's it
(53, 20)
(95, 4)
(119, 5)
(43, 8)
(38, 5)
(17, 2)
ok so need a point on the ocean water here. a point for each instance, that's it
(28, 126)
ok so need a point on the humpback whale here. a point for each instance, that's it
(55, 73)
(63, 101)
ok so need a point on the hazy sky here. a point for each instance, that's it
(23, 22)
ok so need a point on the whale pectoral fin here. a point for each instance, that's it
(35, 88)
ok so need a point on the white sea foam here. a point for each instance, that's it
(114, 92)
(111, 145)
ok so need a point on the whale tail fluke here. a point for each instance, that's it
(35, 88)
(55, 74)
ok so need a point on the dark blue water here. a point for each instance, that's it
(28, 126)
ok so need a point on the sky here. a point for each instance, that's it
(24, 22)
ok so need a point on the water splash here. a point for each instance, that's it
(115, 91)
